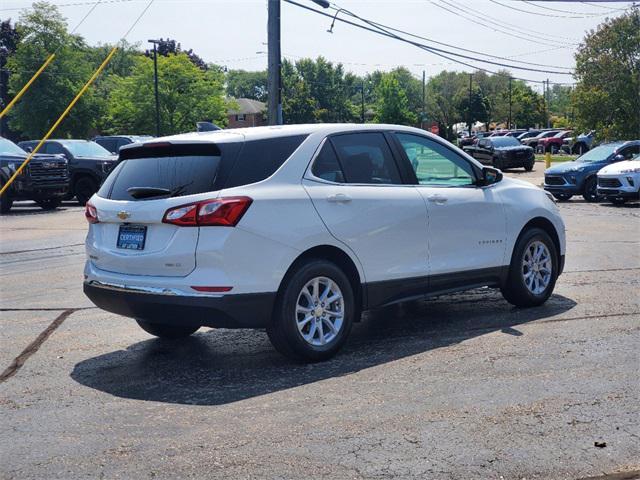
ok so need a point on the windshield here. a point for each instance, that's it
(505, 142)
(546, 134)
(7, 147)
(560, 134)
(599, 153)
(87, 149)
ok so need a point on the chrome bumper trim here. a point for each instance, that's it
(120, 287)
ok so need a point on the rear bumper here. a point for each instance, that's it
(252, 310)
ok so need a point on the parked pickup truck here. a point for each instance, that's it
(89, 164)
(502, 153)
(45, 179)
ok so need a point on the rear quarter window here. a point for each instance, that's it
(259, 159)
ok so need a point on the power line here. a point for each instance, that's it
(545, 14)
(386, 30)
(449, 45)
(514, 28)
(477, 21)
(382, 32)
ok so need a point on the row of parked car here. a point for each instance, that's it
(543, 140)
(61, 170)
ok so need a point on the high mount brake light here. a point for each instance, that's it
(225, 212)
(91, 213)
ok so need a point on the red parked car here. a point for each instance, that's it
(554, 144)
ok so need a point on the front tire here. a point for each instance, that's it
(49, 203)
(533, 270)
(6, 200)
(529, 166)
(591, 190)
(84, 188)
(562, 197)
(314, 312)
(170, 332)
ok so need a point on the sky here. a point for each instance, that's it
(234, 33)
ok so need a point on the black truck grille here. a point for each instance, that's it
(47, 172)
(550, 180)
(609, 182)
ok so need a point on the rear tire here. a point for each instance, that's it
(305, 327)
(590, 193)
(533, 270)
(49, 203)
(170, 332)
(84, 188)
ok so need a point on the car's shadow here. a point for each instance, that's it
(217, 367)
(23, 208)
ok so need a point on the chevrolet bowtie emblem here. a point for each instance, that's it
(122, 215)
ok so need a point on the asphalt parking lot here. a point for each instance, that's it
(461, 386)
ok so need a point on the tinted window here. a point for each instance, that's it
(87, 149)
(259, 159)
(181, 175)
(366, 158)
(435, 164)
(326, 165)
(505, 142)
(108, 144)
(54, 148)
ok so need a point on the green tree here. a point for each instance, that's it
(475, 107)
(9, 38)
(243, 84)
(528, 106)
(392, 105)
(187, 95)
(443, 90)
(43, 30)
(607, 95)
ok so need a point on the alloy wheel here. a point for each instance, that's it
(537, 267)
(320, 311)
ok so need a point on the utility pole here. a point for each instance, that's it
(274, 82)
(510, 104)
(470, 119)
(274, 75)
(424, 98)
(362, 101)
(547, 98)
(155, 83)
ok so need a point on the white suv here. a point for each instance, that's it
(298, 229)
(620, 181)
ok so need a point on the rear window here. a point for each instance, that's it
(198, 168)
(259, 159)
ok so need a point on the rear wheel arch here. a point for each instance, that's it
(337, 256)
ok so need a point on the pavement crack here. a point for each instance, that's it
(34, 346)
(15, 252)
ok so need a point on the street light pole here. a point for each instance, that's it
(274, 77)
(424, 98)
(155, 83)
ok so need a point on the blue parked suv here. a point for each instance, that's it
(580, 176)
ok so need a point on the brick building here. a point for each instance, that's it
(250, 113)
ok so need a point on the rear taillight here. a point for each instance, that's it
(91, 213)
(225, 212)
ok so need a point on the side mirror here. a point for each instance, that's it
(490, 176)
(618, 158)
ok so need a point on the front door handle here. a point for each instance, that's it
(339, 198)
(437, 199)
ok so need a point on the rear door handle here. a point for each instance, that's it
(339, 198)
(437, 199)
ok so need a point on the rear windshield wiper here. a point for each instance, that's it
(148, 192)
